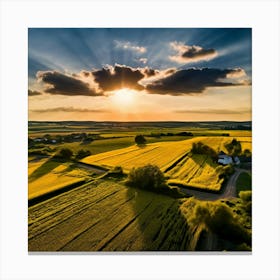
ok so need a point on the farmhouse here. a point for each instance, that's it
(224, 159)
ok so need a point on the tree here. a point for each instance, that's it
(82, 154)
(64, 154)
(147, 177)
(234, 147)
(140, 139)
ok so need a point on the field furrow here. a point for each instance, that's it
(62, 215)
(118, 219)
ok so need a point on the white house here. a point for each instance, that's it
(224, 159)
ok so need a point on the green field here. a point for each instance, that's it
(244, 182)
(107, 216)
(130, 220)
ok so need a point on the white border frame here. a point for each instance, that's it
(17, 16)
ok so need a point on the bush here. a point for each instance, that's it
(247, 153)
(64, 154)
(140, 139)
(246, 195)
(147, 177)
(82, 154)
(200, 148)
(220, 219)
(234, 147)
(185, 133)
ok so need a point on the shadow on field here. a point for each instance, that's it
(43, 169)
(159, 223)
(141, 146)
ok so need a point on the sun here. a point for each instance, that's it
(124, 97)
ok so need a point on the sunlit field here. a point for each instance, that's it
(139, 139)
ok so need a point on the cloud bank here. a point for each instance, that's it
(215, 111)
(117, 77)
(169, 81)
(191, 81)
(58, 83)
(69, 110)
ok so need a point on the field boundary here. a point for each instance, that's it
(190, 187)
(170, 167)
(50, 194)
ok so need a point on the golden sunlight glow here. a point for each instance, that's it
(124, 97)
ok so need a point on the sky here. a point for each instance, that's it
(139, 74)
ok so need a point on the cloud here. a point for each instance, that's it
(100, 82)
(215, 111)
(33, 92)
(129, 46)
(68, 110)
(193, 81)
(119, 76)
(58, 83)
(191, 54)
(144, 60)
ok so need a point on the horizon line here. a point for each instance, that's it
(134, 121)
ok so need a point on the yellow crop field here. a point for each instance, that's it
(217, 142)
(45, 176)
(190, 170)
(197, 171)
(161, 154)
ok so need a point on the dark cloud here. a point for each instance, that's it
(117, 77)
(215, 111)
(59, 83)
(33, 92)
(69, 110)
(191, 54)
(193, 81)
(149, 72)
(168, 81)
(194, 52)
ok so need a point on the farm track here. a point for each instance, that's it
(228, 192)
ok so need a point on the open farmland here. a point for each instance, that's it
(130, 220)
(74, 205)
(174, 158)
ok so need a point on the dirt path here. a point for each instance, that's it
(229, 190)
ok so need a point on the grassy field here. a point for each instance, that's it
(130, 220)
(244, 182)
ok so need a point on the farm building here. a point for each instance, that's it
(224, 158)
